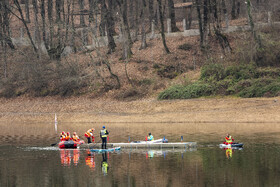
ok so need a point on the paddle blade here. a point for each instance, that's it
(53, 144)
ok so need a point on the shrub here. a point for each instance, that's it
(260, 87)
(187, 92)
(212, 72)
(241, 72)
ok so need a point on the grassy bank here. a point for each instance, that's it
(238, 80)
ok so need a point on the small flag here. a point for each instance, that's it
(55, 122)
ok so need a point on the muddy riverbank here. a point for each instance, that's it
(216, 110)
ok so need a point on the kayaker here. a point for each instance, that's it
(89, 135)
(228, 139)
(103, 135)
(62, 136)
(150, 137)
(68, 137)
(75, 137)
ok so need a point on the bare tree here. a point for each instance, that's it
(171, 15)
(58, 10)
(252, 25)
(27, 15)
(127, 41)
(162, 26)
(50, 19)
(22, 19)
(82, 18)
(151, 11)
(233, 9)
(108, 20)
(143, 31)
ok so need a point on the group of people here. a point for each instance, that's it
(66, 136)
(88, 134)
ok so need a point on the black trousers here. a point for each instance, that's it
(104, 142)
(88, 139)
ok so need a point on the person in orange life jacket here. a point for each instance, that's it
(68, 137)
(103, 135)
(228, 139)
(89, 135)
(75, 137)
(62, 136)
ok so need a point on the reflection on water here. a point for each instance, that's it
(67, 156)
(27, 159)
(90, 159)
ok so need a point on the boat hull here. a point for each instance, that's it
(106, 150)
(154, 141)
(70, 144)
(234, 145)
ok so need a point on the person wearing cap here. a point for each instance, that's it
(89, 135)
(150, 137)
(103, 135)
(75, 137)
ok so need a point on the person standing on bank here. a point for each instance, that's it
(103, 135)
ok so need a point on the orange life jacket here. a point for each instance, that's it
(62, 137)
(67, 138)
(89, 133)
(75, 138)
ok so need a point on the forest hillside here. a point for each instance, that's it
(130, 49)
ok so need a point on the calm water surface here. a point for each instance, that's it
(27, 159)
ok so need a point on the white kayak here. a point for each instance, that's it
(233, 145)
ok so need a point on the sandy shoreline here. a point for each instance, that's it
(212, 110)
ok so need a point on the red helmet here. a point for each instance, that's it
(68, 132)
(62, 132)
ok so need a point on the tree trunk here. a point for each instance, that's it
(111, 17)
(225, 13)
(91, 11)
(27, 16)
(50, 18)
(252, 25)
(127, 42)
(162, 26)
(37, 35)
(233, 10)
(238, 10)
(102, 26)
(82, 18)
(198, 5)
(58, 10)
(107, 19)
(143, 32)
(171, 15)
(131, 13)
(73, 29)
(223, 41)
(151, 12)
(43, 16)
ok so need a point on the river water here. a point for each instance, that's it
(28, 159)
